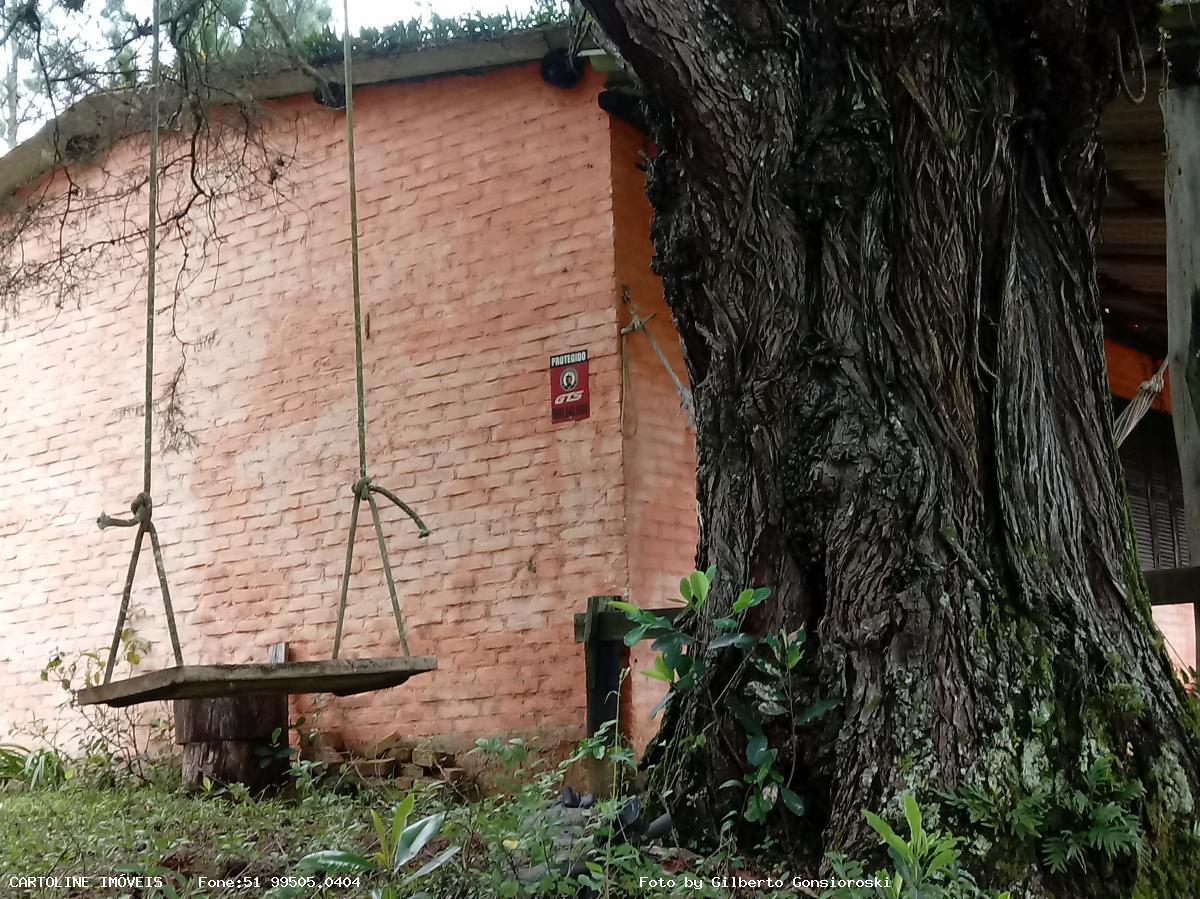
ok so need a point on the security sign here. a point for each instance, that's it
(569, 400)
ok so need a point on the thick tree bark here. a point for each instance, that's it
(875, 226)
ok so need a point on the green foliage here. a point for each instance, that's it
(513, 754)
(428, 843)
(115, 744)
(1067, 825)
(608, 743)
(1023, 819)
(766, 694)
(81, 829)
(1097, 818)
(325, 47)
(276, 752)
(514, 845)
(399, 844)
(37, 769)
(926, 865)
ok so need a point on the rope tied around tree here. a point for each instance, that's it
(1147, 393)
(638, 323)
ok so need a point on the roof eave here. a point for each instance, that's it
(101, 119)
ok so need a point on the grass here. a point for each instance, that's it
(254, 845)
(152, 829)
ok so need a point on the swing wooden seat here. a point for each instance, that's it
(342, 677)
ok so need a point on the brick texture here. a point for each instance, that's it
(659, 454)
(487, 245)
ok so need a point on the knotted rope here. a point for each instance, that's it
(142, 506)
(364, 488)
(1138, 407)
(638, 323)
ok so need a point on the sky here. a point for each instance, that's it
(375, 13)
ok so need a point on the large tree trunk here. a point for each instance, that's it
(875, 226)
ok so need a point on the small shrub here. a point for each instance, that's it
(36, 769)
(926, 864)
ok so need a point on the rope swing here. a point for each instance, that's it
(364, 487)
(344, 677)
(142, 506)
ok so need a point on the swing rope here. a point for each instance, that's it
(142, 506)
(364, 488)
(637, 323)
(1136, 410)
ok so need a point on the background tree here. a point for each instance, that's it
(58, 51)
(875, 223)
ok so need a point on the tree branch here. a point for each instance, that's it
(327, 95)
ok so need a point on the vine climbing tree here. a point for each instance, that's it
(875, 223)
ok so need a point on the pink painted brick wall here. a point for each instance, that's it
(487, 245)
(660, 456)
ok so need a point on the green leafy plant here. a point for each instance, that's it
(514, 754)
(277, 752)
(608, 743)
(1023, 819)
(36, 769)
(399, 844)
(768, 693)
(926, 864)
(1065, 824)
(1096, 818)
(12, 762)
(115, 744)
(920, 859)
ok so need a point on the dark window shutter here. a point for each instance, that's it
(1155, 491)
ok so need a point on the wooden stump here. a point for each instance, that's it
(230, 740)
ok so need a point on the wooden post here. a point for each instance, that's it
(235, 739)
(1181, 113)
(606, 656)
(603, 660)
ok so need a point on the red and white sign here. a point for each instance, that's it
(569, 398)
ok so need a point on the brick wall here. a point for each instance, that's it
(660, 457)
(487, 245)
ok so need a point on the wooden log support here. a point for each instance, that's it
(603, 659)
(1181, 115)
(228, 740)
(235, 739)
